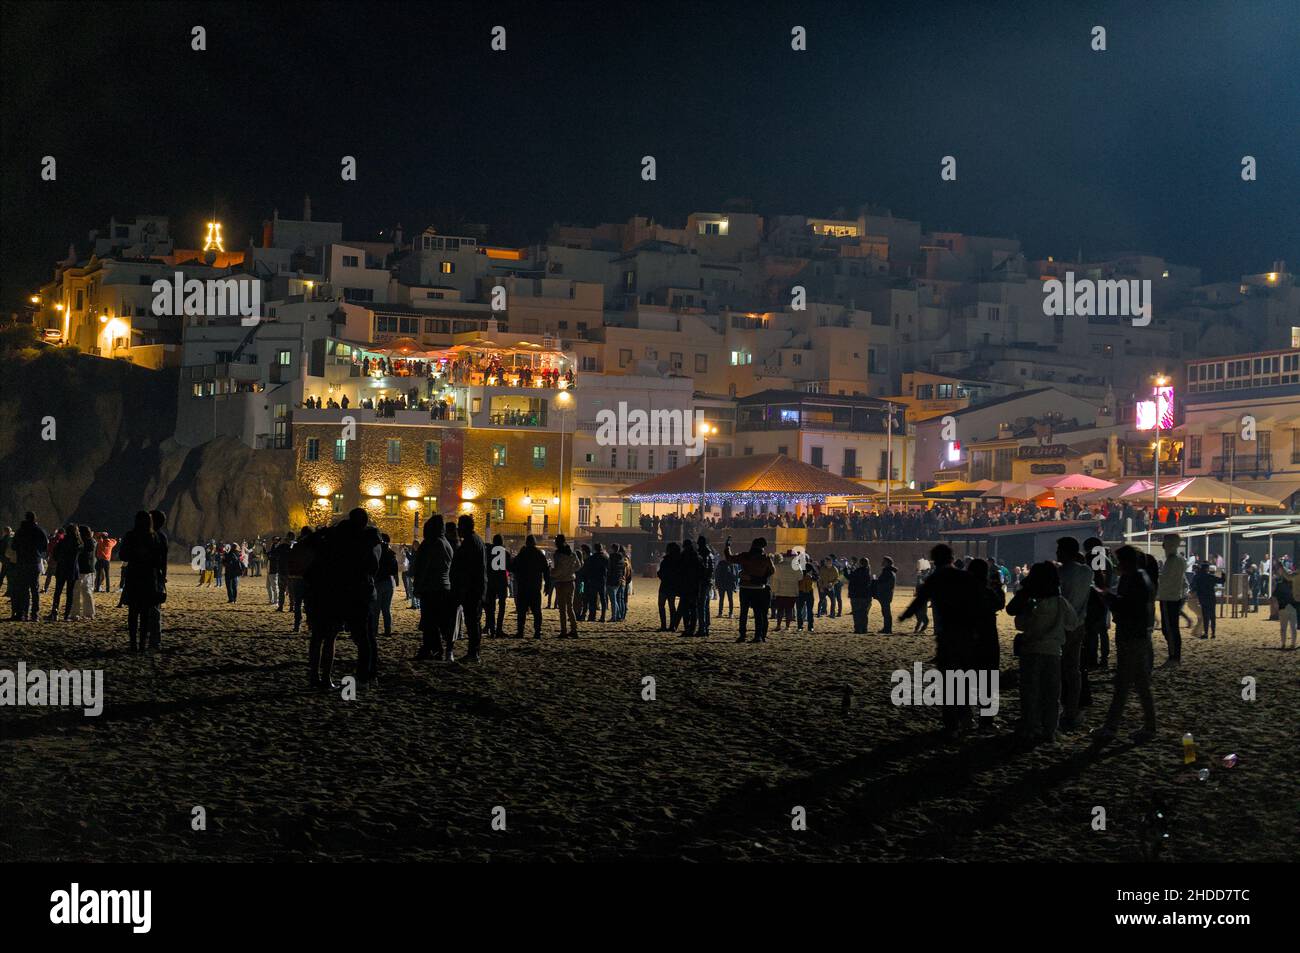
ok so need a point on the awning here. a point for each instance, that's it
(1275, 489)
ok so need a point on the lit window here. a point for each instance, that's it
(390, 504)
(498, 455)
(448, 268)
(395, 450)
(539, 457)
(340, 450)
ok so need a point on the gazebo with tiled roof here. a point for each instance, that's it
(770, 479)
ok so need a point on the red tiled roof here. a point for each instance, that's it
(762, 475)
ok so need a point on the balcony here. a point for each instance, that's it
(1243, 464)
(842, 426)
(609, 475)
(853, 473)
(405, 418)
(880, 473)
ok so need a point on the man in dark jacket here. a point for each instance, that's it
(279, 554)
(688, 604)
(703, 607)
(756, 571)
(614, 585)
(883, 593)
(952, 593)
(531, 572)
(594, 571)
(432, 572)
(65, 570)
(469, 566)
(353, 565)
(29, 545)
(861, 587)
(1130, 607)
(670, 587)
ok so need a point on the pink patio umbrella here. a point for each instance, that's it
(1076, 481)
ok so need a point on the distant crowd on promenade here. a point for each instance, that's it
(913, 522)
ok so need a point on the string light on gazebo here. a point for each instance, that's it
(730, 499)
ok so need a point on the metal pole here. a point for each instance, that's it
(889, 451)
(1155, 499)
(559, 516)
(704, 478)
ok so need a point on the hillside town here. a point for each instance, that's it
(928, 373)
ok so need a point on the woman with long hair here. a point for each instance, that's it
(1042, 619)
(83, 605)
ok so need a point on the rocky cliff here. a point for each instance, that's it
(89, 440)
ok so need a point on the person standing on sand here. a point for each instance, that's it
(563, 577)
(952, 592)
(1076, 586)
(530, 573)
(232, 568)
(153, 617)
(278, 556)
(1043, 618)
(883, 593)
(50, 562)
(84, 603)
(295, 566)
(104, 545)
(670, 585)
(756, 570)
(1205, 599)
(689, 581)
(704, 588)
(139, 551)
(273, 553)
(1130, 607)
(318, 604)
(862, 592)
(498, 588)
(1096, 650)
(1169, 592)
(594, 571)
(432, 570)
(30, 546)
(726, 576)
(1284, 595)
(469, 567)
(614, 583)
(218, 565)
(352, 562)
(385, 586)
(66, 552)
(986, 653)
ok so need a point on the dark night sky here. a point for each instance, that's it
(1137, 148)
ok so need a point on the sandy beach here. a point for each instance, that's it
(558, 734)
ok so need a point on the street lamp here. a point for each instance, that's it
(1161, 381)
(562, 401)
(705, 431)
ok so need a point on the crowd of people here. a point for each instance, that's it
(1063, 611)
(343, 578)
(932, 520)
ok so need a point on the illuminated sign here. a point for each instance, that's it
(1158, 412)
(214, 241)
(954, 451)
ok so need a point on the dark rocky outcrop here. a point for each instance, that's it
(112, 454)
